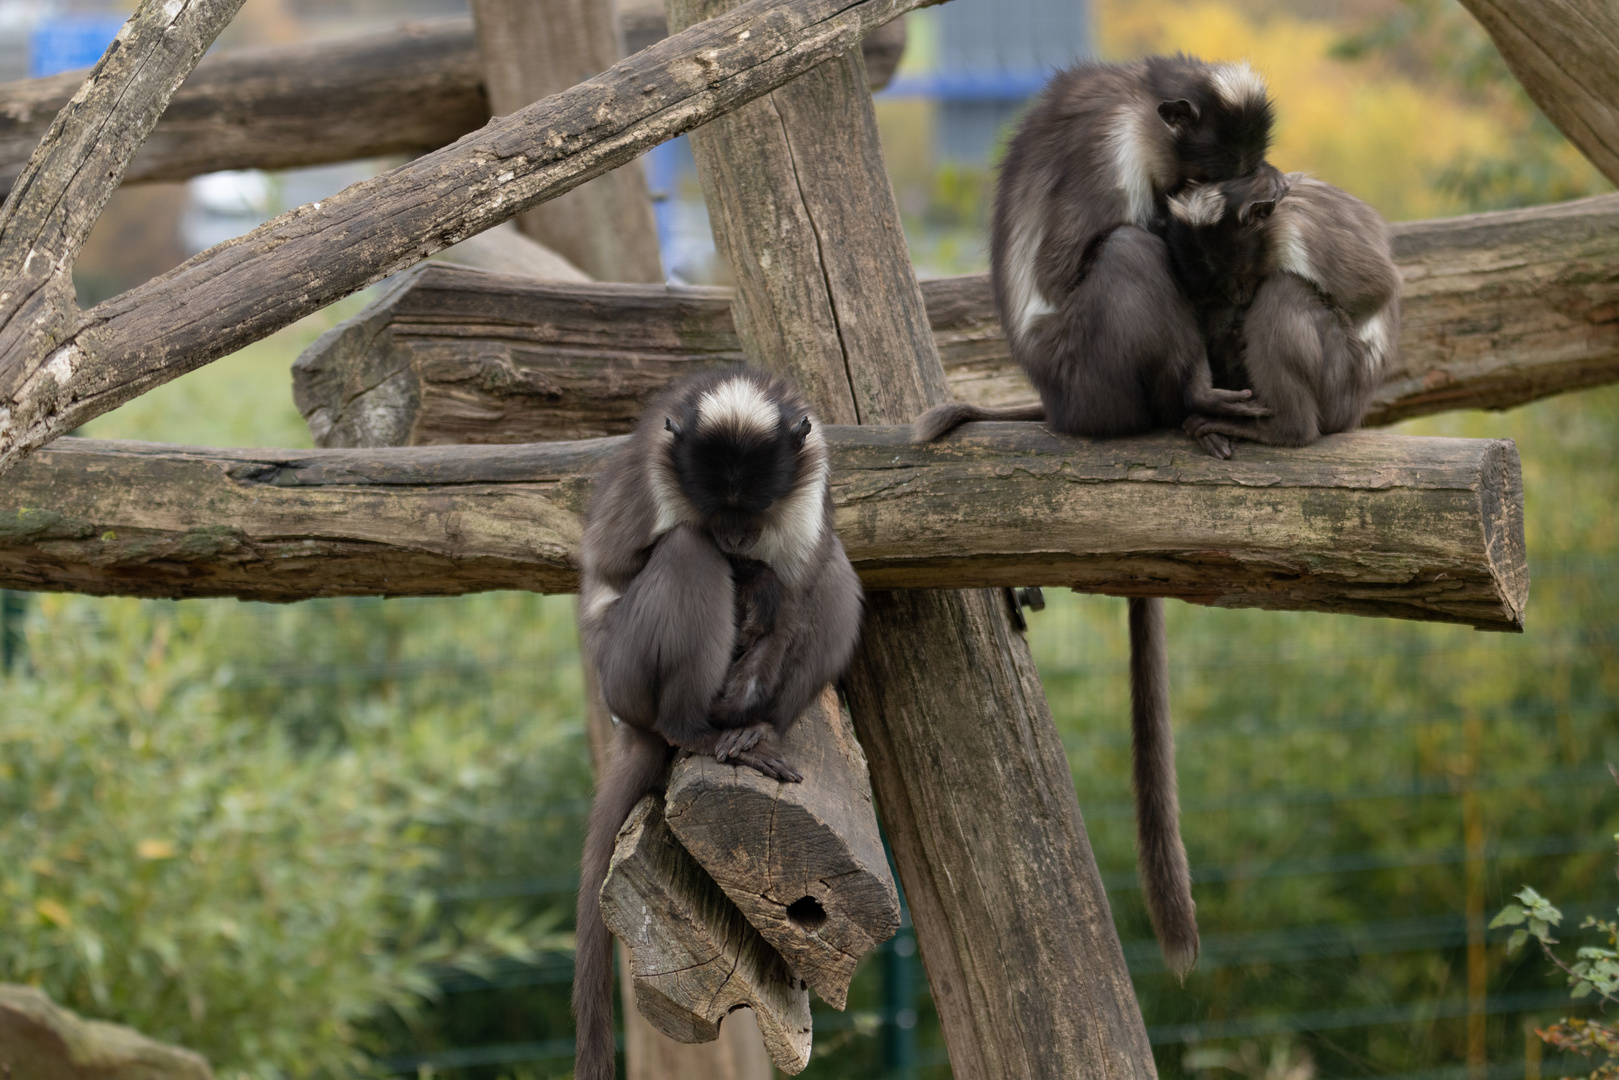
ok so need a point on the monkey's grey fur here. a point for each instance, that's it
(715, 602)
(1324, 321)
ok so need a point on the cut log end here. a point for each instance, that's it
(693, 956)
(803, 862)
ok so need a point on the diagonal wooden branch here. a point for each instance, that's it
(242, 290)
(56, 200)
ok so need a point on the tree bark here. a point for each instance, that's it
(1364, 523)
(1566, 55)
(801, 204)
(59, 369)
(530, 51)
(40, 1040)
(1498, 309)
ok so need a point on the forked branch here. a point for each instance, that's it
(238, 292)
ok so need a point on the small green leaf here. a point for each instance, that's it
(1539, 928)
(1515, 942)
(1511, 915)
(1581, 989)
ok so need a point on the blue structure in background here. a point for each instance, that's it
(69, 42)
(993, 56)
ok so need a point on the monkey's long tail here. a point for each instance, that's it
(1166, 880)
(941, 419)
(637, 767)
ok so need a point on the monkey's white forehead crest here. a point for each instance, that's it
(1201, 206)
(738, 404)
(1239, 85)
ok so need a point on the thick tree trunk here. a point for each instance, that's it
(535, 48)
(801, 204)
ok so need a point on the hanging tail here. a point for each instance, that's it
(637, 766)
(942, 419)
(1166, 880)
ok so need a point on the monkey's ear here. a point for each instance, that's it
(670, 426)
(1178, 113)
(801, 431)
(1258, 210)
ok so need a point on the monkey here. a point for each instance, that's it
(1302, 295)
(1082, 282)
(715, 602)
(1094, 315)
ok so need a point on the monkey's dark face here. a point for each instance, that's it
(1219, 116)
(1217, 235)
(735, 458)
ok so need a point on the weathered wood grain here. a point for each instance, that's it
(1566, 55)
(1365, 523)
(694, 957)
(1499, 309)
(405, 90)
(60, 367)
(532, 49)
(803, 862)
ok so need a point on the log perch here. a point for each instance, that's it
(1365, 523)
(803, 862)
(1498, 309)
(693, 956)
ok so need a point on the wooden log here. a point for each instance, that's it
(60, 367)
(405, 90)
(694, 957)
(1044, 993)
(803, 862)
(1566, 55)
(40, 1040)
(1364, 523)
(1499, 309)
(532, 49)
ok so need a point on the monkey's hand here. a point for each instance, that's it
(755, 746)
(1234, 403)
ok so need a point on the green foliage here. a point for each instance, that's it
(1437, 41)
(258, 883)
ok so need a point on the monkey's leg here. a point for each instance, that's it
(668, 640)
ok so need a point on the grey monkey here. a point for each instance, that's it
(1301, 297)
(715, 602)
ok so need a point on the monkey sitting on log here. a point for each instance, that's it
(715, 601)
(1298, 295)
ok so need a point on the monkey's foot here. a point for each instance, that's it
(734, 741)
(1233, 403)
(755, 747)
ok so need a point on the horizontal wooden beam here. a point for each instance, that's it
(1499, 309)
(1366, 523)
(405, 90)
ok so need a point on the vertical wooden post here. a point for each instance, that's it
(532, 49)
(970, 775)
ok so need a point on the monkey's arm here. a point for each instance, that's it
(663, 648)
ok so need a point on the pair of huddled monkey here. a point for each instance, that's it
(1150, 269)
